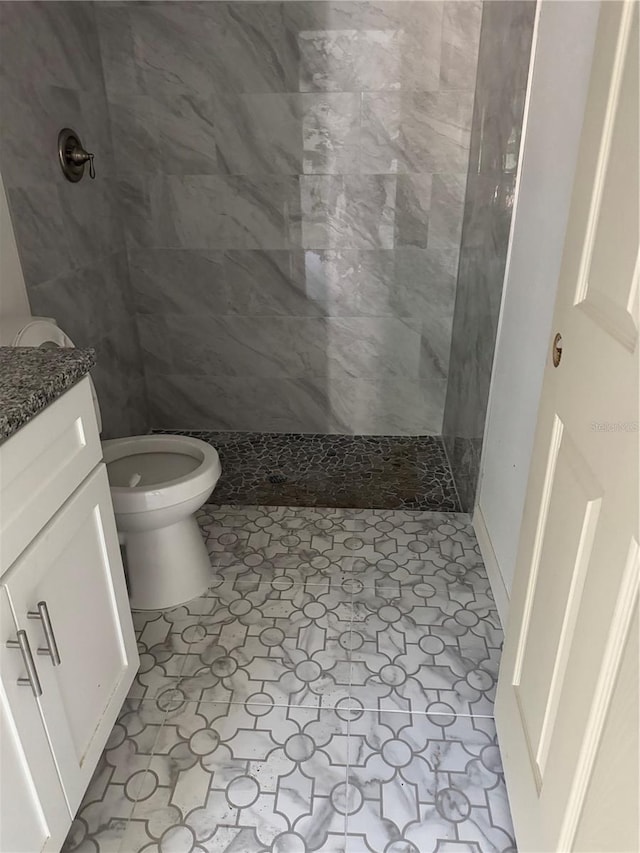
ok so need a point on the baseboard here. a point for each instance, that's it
(496, 581)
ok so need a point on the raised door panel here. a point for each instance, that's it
(613, 213)
(75, 568)
(610, 810)
(567, 525)
(34, 816)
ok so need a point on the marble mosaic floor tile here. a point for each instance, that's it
(379, 547)
(226, 777)
(102, 818)
(288, 646)
(331, 691)
(407, 617)
(426, 784)
(247, 778)
(294, 469)
(165, 641)
(419, 645)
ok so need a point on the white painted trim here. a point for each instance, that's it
(494, 574)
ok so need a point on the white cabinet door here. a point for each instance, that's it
(34, 816)
(72, 575)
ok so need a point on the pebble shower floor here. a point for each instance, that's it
(333, 691)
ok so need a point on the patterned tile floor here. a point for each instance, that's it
(333, 691)
(385, 472)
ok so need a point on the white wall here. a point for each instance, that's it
(13, 294)
(561, 64)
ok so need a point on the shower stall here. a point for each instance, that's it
(300, 215)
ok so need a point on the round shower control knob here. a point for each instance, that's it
(73, 156)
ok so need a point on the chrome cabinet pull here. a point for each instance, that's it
(32, 679)
(52, 647)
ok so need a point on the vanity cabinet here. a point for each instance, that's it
(68, 653)
(35, 814)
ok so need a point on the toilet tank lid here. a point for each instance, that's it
(32, 332)
(38, 332)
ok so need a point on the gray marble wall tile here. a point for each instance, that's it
(269, 284)
(138, 197)
(279, 347)
(347, 211)
(331, 132)
(446, 212)
(436, 342)
(382, 147)
(39, 229)
(257, 134)
(91, 299)
(37, 40)
(404, 283)
(91, 218)
(233, 346)
(292, 177)
(235, 212)
(97, 312)
(350, 60)
(409, 131)
(335, 280)
(349, 283)
(185, 281)
(61, 226)
(70, 236)
(117, 51)
(459, 59)
(436, 127)
(210, 211)
(213, 47)
(413, 203)
(349, 406)
(368, 46)
(503, 64)
(172, 132)
(220, 402)
(283, 160)
(371, 347)
(35, 111)
(133, 118)
(407, 15)
(119, 384)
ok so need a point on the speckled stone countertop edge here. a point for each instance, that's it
(31, 378)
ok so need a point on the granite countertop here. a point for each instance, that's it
(33, 377)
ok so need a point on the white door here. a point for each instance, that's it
(72, 576)
(567, 703)
(34, 816)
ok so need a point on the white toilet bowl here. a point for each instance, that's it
(157, 484)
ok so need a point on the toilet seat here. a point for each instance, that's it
(158, 483)
(166, 490)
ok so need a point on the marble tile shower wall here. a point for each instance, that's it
(69, 236)
(503, 67)
(292, 188)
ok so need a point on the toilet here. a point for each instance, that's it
(157, 483)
